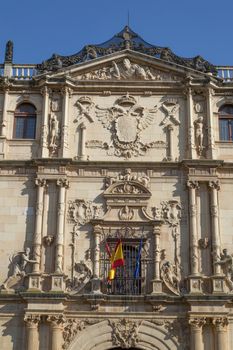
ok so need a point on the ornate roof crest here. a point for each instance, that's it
(127, 39)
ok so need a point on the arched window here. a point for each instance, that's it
(25, 121)
(226, 123)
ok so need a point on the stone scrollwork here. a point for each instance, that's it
(72, 327)
(82, 211)
(32, 320)
(125, 333)
(19, 263)
(126, 120)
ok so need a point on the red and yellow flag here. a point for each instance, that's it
(116, 259)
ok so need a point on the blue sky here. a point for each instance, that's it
(43, 27)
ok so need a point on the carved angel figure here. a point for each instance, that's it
(126, 120)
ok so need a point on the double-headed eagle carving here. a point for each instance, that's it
(126, 119)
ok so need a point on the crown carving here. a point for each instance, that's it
(126, 100)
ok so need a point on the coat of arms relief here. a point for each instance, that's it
(126, 121)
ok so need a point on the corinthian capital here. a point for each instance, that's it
(63, 183)
(40, 182)
(192, 184)
(215, 184)
(57, 321)
(32, 320)
(197, 323)
(220, 323)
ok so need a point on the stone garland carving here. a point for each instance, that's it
(127, 232)
(126, 120)
(72, 327)
(82, 211)
(19, 263)
(127, 176)
(226, 262)
(125, 333)
(54, 133)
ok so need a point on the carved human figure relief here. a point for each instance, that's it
(19, 264)
(53, 132)
(198, 124)
(126, 213)
(226, 262)
(169, 274)
(126, 120)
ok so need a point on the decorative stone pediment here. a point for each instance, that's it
(127, 189)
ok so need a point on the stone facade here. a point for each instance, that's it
(127, 144)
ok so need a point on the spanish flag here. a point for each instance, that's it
(117, 259)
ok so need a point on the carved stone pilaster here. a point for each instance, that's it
(191, 141)
(66, 92)
(32, 322)
(125, 333)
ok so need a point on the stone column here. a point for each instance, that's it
(32, 336)
(37, 238)
(196, 340)
(96, 265)
(170, 155)
(57, 323)
(191, 139)
(44, 128)
(211, 143)
(156, 282)
(194, 258)
(83, 141)
(4, 112)
(214, 188)
(59, 254)
(195, 282)
(221, 333)
(65, 119)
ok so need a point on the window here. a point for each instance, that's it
(124, 282)
(226, 123)
(25, 122)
